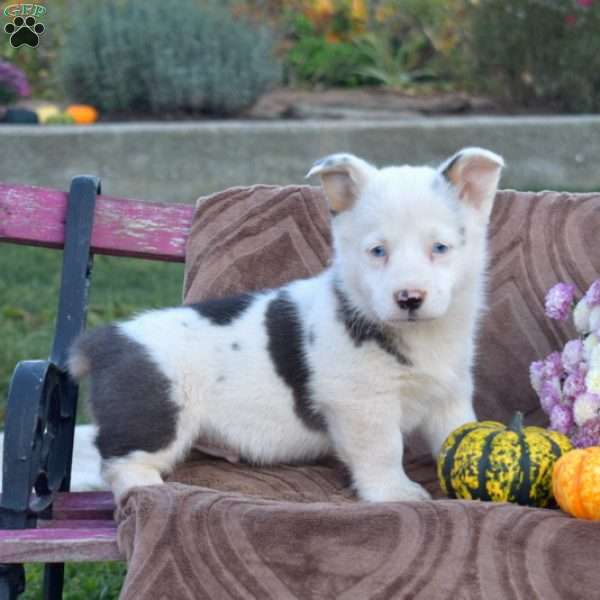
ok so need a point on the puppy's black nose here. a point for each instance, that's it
(410, 299)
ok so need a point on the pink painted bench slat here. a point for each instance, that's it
(36, 216)
(59, 545)
(81, 529)
(84, 505)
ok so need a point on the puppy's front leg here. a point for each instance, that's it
(373, 448)
(446, 416)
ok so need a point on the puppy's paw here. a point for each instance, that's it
(413, 492)
(407, 491)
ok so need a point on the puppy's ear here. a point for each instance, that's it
(474, 173)
(343, 176)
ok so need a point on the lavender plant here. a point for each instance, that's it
(165, 57)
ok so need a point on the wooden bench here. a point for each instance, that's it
(40, 520)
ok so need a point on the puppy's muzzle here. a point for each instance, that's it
(410, 300)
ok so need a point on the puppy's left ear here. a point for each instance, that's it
(474, 173)
(343, 177)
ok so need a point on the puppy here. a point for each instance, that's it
(379, 344)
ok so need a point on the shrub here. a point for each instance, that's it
(315, 59)
(538, 52)
(13, 83)
(165, 56)
(396, 43)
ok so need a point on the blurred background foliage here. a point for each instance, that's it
(120, 55)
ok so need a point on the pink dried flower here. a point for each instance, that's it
(592, 296)
(559, 301)
(572, 355)
(585, 3)
(588, 434)
(570, 20)
(561, 419)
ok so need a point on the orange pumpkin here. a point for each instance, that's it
(82, 114)
(576, 483)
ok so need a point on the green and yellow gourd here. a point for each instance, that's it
(489, 461)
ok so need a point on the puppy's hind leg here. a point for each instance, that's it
(127, 472)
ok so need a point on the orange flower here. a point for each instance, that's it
(358, 10)
(324, 8)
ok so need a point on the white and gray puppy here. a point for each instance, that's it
(379, 344)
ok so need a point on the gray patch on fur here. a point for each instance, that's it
(362, 330)
(463, 235)
(223, 311)
(287, 350)
(235, 346)
(130, 397)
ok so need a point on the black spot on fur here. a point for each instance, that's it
(130, 397)
(235, 346)
(362, 330)
(223, 311)
(286, 347)
(311, 336)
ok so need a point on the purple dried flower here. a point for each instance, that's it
(588, 434)
(553, 366)
(572, 355)
(536, 375)
(13, 83)
(559, 301)
(550, 394)
(574, 384)
(561, 419)
(592, 296)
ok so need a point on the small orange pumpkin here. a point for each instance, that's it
(576, 483)
(82, 114)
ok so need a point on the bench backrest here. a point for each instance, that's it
(122, 227)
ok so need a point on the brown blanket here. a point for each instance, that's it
(193, 543)
(231, 531)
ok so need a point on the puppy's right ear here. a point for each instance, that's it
(343, 177)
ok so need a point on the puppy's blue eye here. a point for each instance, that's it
(377, 251)
(439, 248)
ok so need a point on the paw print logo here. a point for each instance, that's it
(24, 31)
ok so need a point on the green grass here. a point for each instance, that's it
(83, 581)
(29, 283)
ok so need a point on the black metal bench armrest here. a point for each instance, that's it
(37, 441)
(42, 403)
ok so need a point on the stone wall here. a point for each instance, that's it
(179, 161)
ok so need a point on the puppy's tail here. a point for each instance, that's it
(93, 350)
(78, 361)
